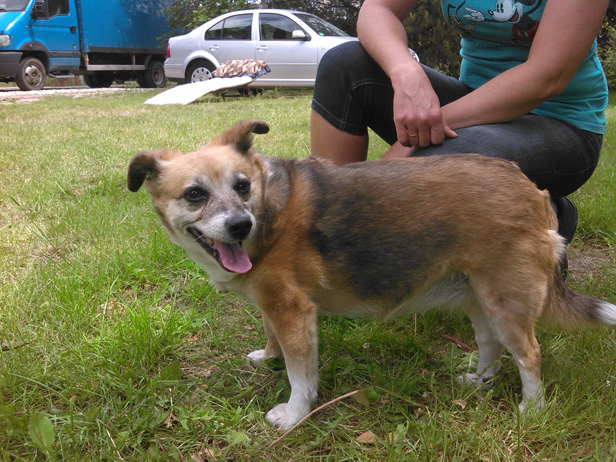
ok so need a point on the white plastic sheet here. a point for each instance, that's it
(186, 94)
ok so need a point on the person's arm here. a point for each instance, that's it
(416, 107)
(565, 34)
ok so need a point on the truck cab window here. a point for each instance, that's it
(13, 5)
(57, 7)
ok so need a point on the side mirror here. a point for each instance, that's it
(40, 9)
(300, 35)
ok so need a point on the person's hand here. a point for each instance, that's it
(397, 151)
(417, 113)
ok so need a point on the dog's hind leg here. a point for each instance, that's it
(520, 341)
(512, 313)
(490, 349)
(272, 348)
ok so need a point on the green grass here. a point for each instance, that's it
(115, 348)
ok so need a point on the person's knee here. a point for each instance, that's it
(348, 51)
(342, 59)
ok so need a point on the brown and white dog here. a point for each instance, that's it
(302, 237)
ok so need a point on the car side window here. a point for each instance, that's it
(276, 26)
(214, 32)
(234, 28)
(237, 27)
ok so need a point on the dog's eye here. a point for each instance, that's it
(195, 195)
(242, 187)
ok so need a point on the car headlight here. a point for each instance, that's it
(5, 40)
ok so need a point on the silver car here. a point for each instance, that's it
(291, 43)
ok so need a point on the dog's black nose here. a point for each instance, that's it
(239, 226)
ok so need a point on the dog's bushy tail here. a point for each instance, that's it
(571, 309)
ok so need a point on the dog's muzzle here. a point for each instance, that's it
(231, 256)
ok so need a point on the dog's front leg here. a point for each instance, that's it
(295, 328)
(272, 348)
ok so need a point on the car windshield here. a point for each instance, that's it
(320, 26)
(13, 5)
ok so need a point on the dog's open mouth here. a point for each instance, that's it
(231, 257)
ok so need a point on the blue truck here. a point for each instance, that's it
(103, 40)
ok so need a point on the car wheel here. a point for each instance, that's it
(199, 71)
(153, 76)
(31, 74)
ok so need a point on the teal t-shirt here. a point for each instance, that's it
(497, 35)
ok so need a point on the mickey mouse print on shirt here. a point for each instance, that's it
(516, 21)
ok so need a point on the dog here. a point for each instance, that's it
(302, 237)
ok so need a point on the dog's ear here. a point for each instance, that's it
(146, 165)
(240, 136)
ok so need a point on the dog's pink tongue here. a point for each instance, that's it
(233, 257)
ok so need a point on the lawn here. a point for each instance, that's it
(114, 347)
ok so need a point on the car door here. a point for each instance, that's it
(290, 59)
(230, 38)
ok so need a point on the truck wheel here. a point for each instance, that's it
(31, 74)
(153, 76)
(199, 71)
(98, 80)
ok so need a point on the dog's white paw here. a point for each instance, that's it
(532, 404)
(281, 417)
(475, 380)
(257, 358)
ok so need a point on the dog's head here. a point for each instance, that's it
(207, 200)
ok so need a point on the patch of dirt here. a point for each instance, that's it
(593, 261)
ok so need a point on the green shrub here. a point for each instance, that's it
(607, 53)
(432, 38)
